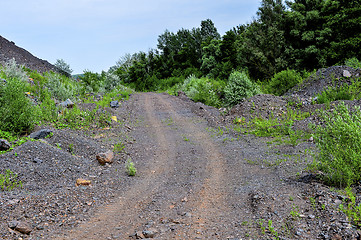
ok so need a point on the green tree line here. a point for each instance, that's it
(299, 35)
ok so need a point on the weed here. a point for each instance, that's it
(130, 168)
(71, 148)
(351, 209)
(9, 181)
(119, 147)
(294, 213)
(272, 229)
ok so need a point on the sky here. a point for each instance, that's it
(93, 35)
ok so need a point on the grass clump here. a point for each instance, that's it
(9, 181)
(130, 168)
(339, 143)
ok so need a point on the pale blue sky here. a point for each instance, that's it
(94, 34)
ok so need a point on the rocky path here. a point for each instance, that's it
(189, 185)
(194, 182)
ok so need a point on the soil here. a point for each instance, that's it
(194, 180)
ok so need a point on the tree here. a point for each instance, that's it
(261, 45)
(63, 67)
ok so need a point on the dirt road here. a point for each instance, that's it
(196, 179)
(192, 184)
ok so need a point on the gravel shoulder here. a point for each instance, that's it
(194, 181)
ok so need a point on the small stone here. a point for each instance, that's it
(150, 233)
(41, 134)
(106, 157)
(311, 139)
(4, 145)
(67, 103)
(311, 216)
(139, 235)
(346, 73)
(82, 182)
(114, 104)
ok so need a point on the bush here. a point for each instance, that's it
(202, 90)
(16, 110)
(61, 87)
(353, 62)
(283, 81)
(239, 87)
(339, 142)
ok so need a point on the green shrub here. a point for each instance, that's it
(283, 81)
(62, 87)
(239, 87)
(16, 110)
(9, 181)
(353, 62)
(339, 143)
(92, 82)
(202, 90)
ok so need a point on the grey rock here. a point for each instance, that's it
(346, 73)
(67, 103)
(2, 81)
(150, 233)
(4, 145)
(41, 134)
(21, 227)
(114, 104)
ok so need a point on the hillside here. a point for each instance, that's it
(9, 50)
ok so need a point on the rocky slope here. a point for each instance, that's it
(9, 50)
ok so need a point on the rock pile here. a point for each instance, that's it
(8, 51)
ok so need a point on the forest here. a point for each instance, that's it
(292, 39)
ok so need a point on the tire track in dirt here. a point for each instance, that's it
(124, 213)
(211, 198)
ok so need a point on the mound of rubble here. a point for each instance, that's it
(8, 51)
(325, 77)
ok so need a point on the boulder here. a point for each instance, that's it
(67, 103)
(4, 145)
(41, 134)
(114, 104)
(150, 233)
(106, 157)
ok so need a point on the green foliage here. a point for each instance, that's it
(351, 209)
(353, 62)
(339, 143)
(202, 90)
(16, 110)
(61, 87)
(283, 81)
(130, 168)
(9, 181)
(92, 82)
(344, 92)
(119, 147)
(239, 87)
(76, 118)
(63, 66)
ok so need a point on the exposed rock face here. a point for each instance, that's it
(8, 51)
